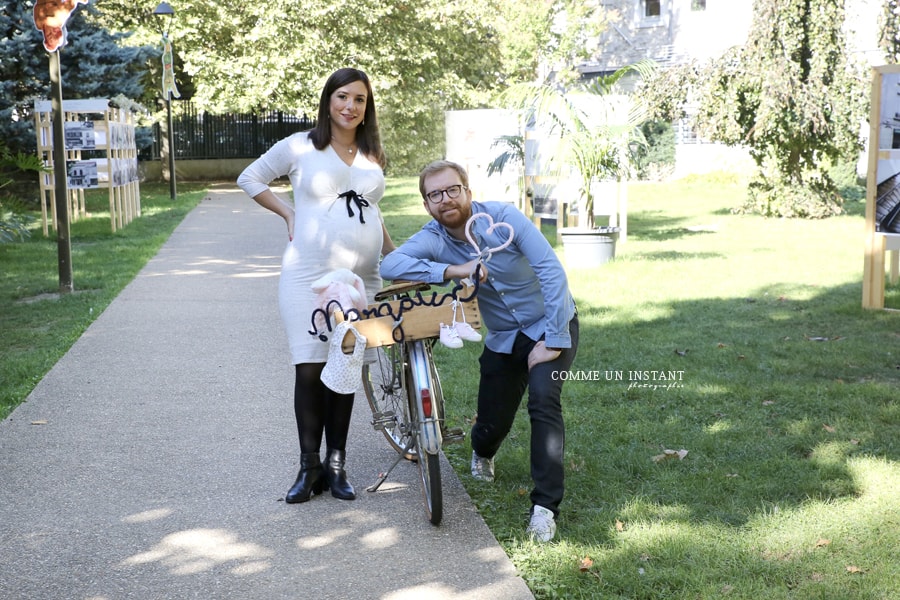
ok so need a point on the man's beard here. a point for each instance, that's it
(455, 220)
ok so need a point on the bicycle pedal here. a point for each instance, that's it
(382, 420)
(453, 436)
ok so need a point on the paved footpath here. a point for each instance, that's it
(152, 461)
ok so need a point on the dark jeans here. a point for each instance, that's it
(504, 378)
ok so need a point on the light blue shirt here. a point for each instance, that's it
(526, 289)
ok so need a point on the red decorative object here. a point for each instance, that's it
(50, 18)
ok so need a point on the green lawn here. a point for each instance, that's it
(38, 325)
(787, 408)
(786, 404)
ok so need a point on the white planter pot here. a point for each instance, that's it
(588, 248)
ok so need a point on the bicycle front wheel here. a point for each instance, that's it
(430, 471)
(384, 383)
(423, 401)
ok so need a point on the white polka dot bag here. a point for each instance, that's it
(343, 372)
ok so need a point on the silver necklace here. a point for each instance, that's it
(349, 148)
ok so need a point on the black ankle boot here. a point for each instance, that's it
(310, 479)
(336, 477)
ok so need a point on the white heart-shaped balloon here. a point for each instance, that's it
(486, 252)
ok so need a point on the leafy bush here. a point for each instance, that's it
(13, 223)
(658, 156)
(817, 198)
(13, 226)
(850, 185)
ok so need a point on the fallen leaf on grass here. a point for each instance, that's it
(620, 526)
(854, 442)
(828, 428)
(721, 345)
(854, 569)
(669, 454)
(586, 565)
(822, 543)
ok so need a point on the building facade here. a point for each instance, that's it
(672, 32)
(676, 31)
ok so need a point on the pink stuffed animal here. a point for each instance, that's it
(343, 286)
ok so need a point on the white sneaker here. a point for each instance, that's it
(464, 330)
(482, 468)
(449, 337)
(543, 526)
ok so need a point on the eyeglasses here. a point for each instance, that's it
(437, 196)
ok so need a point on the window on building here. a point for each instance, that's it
(698, 5)
(652, 8)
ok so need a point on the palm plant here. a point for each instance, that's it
(592, 130)
(513, 152)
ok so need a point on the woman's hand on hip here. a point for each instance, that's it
(289, 219)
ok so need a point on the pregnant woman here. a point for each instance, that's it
(336, 173)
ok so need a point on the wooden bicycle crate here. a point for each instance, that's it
(420, 321)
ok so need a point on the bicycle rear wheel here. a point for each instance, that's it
(384, 383)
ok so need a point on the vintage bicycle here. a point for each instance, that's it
(402, 385)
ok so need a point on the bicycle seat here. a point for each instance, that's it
(401, 287)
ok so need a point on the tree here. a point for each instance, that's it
(95, 64)
(889, 30)
(423, 56)
(547, 39)
(794, 99)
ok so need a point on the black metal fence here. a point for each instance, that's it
(200, 135)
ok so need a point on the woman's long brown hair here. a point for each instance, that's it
(368, 138)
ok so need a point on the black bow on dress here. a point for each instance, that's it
(358, 199)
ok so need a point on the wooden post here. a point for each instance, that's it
(63, 241)
(875, 241)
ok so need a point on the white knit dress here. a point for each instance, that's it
(325, 237)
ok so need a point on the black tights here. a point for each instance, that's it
(319, 409)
